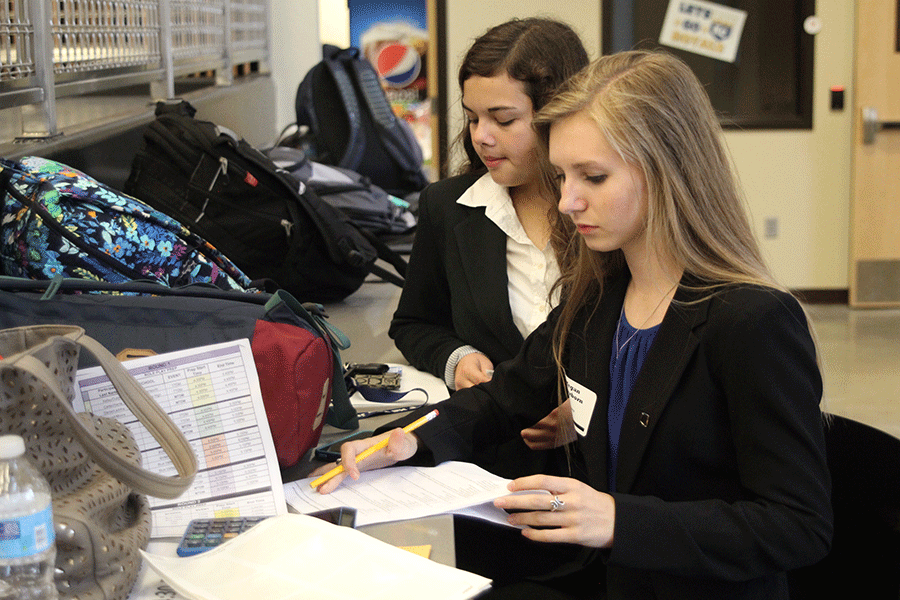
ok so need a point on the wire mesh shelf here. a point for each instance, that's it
(56, 48)
(198, 33)
(249, 30)
(16, 42)
(95, 35)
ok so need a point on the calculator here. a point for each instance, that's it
(205, 534)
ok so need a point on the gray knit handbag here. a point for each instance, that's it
(100, 508)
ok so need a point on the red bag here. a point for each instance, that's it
(299, 370)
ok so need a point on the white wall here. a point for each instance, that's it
(334, 22)
(801, 178)
(295, 49)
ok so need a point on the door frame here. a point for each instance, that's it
(874, 269)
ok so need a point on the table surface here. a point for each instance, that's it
(435, 531)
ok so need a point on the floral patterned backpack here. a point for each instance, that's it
(58, 221)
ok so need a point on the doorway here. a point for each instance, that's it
(875, 204)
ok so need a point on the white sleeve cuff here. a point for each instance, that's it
(450, 369)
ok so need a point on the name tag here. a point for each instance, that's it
(582, 400)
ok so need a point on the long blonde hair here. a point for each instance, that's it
(657, 116)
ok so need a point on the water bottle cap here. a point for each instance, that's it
(11, 446)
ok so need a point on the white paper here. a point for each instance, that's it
(582, 401)
(212, 394)
(399, 493)
(302, 557)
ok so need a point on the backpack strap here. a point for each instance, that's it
(335, 60)
(388, 255)
(398, 141)
(59, 285)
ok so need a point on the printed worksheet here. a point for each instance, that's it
(398, 493)
(212, 394)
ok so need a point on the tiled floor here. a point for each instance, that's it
(860, 351)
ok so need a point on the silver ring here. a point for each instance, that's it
(557, 504)
(338, 461)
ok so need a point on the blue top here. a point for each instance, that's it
(630, 347)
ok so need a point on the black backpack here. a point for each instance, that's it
(258, 215)
(351, 123)
(368, 206)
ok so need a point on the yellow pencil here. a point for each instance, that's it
(372, 450)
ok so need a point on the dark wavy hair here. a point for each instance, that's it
(540, 52)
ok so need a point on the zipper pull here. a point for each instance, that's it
(222, 170)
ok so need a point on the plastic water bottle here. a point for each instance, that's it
(27, 538)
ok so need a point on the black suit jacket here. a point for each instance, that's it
(456, 291)
(456, 294)
(722, 480)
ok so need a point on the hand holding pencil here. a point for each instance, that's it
(372, 449)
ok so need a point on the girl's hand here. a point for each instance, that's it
(473, 369)
(401, 446)
(553, 431)
(583, 515)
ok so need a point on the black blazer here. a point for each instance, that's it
(456, 294)
(722, 480)
(456, 291)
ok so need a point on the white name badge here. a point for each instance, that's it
(582, 400)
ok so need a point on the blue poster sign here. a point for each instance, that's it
(393, 36)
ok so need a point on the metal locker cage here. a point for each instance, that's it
(67, 48)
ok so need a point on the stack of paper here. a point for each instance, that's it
(399, 493)
(297, 556)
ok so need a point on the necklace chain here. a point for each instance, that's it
(637, 329)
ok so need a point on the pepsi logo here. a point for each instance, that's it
(398, 64)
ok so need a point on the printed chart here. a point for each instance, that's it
(212, 394)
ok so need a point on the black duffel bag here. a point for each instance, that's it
(141, 318)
